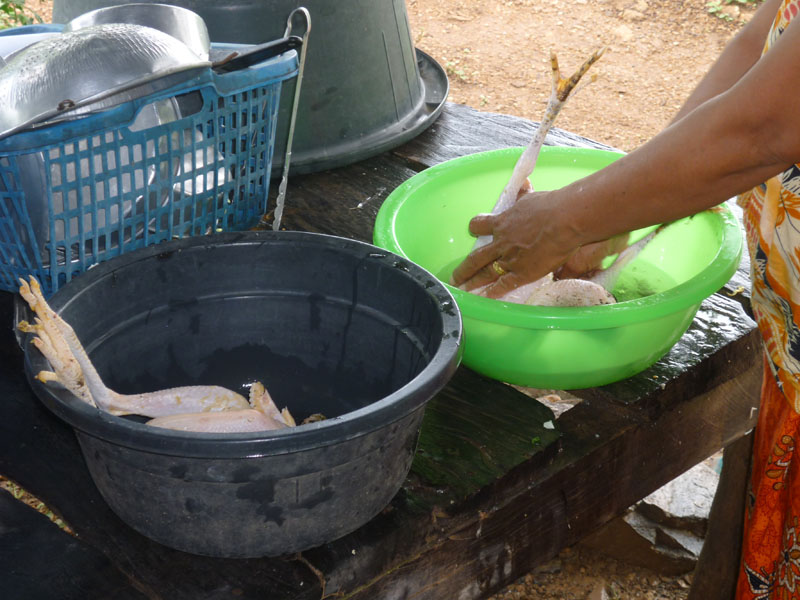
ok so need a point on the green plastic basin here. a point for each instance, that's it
(426, 220)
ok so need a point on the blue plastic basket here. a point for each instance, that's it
(190, 160)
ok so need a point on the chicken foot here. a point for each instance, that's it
(73, 369)
(545, 289)
(560, 90)
(548, 291)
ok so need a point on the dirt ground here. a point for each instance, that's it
(496, 54)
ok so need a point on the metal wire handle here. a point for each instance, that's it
(281, 198)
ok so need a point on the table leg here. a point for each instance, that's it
(717, 568)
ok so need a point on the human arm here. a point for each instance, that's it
(739, 55)
(735, 140)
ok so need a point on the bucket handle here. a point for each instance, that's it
(280, 200)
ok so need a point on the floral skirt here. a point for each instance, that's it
(770, 566)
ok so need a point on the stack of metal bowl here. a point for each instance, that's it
(101, 59)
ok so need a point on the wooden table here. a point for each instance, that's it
(492, 493)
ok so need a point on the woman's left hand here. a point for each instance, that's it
(588, 259)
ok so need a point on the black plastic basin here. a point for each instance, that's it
(328, 324)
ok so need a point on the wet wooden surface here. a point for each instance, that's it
(492, 492)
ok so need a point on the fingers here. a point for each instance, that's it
(482, 224)
(503, 285)
(507, 260)
(485, 276)
(477, 261)
(492, 281)
(478, 264)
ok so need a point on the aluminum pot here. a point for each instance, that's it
(178, 22)
(329, 325)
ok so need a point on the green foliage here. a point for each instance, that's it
(454, 70)
(12, 14)
(715, 7)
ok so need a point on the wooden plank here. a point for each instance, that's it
(343, 202)
(717, 567)
(472, 434)
(685, 370)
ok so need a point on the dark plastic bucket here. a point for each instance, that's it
(328, 324)
(365, 90)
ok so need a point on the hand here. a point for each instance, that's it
(588, 259)
(527, 244)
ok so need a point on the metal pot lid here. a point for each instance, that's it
(85, 66)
